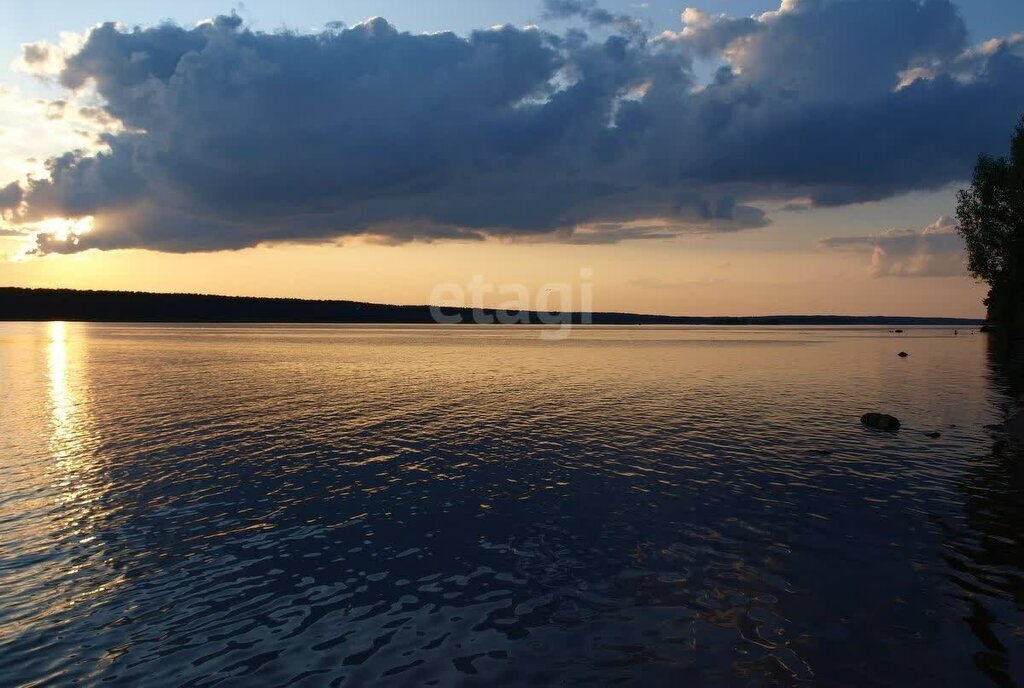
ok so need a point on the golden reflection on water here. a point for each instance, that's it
(69, 421)
(64, 436)
(57, 365)
(77, 487)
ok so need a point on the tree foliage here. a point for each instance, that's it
(990, 218)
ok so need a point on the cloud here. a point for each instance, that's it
(44, 59)
(55, 109)
(970, 62)
(832, 50)
(935, 251)
(709, 34)
(230, 138)
(815, 99)
(96, 114)
(35, 53)
(36, 129)
(589, 11)
(10, 196)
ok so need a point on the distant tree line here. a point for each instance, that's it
(122, 306)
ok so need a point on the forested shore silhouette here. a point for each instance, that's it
(18, 303)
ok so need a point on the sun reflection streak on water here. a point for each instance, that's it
(66, 436)
(77, 487)
(57, 367)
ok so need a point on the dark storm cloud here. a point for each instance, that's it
(817, 102)
(841, 50)
(233, 137)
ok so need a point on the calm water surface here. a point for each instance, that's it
(324, 506)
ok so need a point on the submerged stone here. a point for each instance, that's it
(881, 421)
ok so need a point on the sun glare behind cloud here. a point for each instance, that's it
(64, 228)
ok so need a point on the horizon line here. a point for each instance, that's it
(889, 319)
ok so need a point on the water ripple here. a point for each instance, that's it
(217, 505)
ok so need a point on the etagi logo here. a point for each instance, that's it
(554, 304)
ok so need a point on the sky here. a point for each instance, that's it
(735, 158)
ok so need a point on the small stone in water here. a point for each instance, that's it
(881, 421)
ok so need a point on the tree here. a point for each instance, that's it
(990, 218)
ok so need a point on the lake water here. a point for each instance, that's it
(332, 505)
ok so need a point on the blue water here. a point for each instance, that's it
(274, 505)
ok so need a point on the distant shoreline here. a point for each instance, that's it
(24, 304)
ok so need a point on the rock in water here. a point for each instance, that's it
(903, 354)
(934, 435)
(881, 421)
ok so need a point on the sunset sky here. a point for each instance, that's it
(737, 158)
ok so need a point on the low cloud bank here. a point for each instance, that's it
(935, 251)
